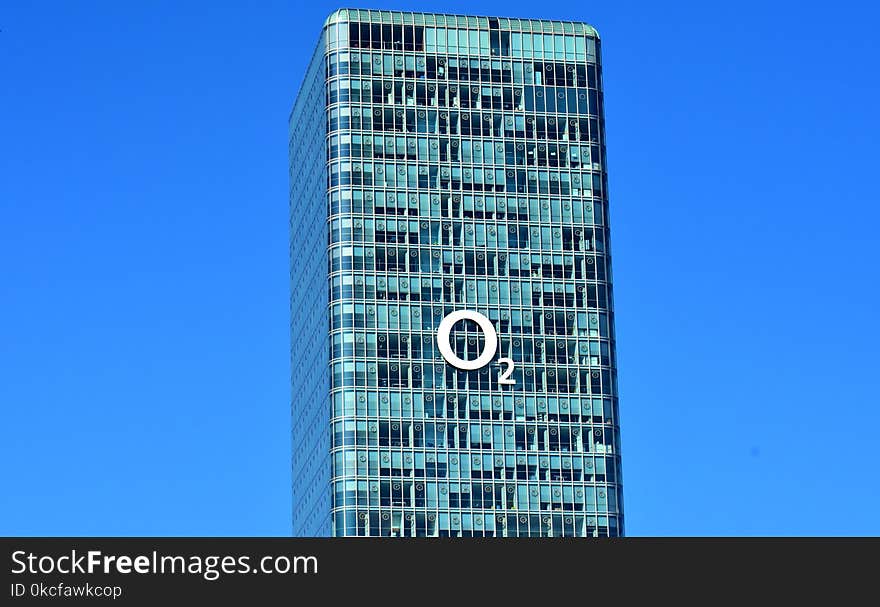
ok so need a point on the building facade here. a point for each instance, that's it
(444, 164)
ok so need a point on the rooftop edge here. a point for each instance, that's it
(343, 15)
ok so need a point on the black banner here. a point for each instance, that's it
(270, 571)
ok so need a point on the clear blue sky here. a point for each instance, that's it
(143, 262)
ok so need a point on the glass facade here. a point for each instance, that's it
(442, 163)
(309, 346)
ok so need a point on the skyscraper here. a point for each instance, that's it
(452, 332)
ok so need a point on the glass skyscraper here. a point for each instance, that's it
(452, 165)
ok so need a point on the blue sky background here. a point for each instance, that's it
(143, 262)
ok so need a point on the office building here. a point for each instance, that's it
(452, 165)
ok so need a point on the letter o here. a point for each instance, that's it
(489, 350)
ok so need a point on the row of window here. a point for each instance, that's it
(464, 71)
(414, 322)
(389, 522)
(465, 151)
(464, 41)
(487, 496)
(476, 296)
(396, 346)
(429, 404)
(412, 415)
(531, 439)
(409, 409)
(465, 123)
(445, 205)
(531, 466)
(476, 465)
(418, 94)
(412, 345)
(471, 262)
(565, 353)
(529, 494)
(437, 432)
(511, 235)
(474, 436)
(455, 177)
(486, 244)
(479, 272)
(475, 264)
(571, 380)
(503, 480)
(343, 17)
(513, 496)
(372, 203)
(473, 291)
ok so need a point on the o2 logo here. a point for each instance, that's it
(489, 349)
